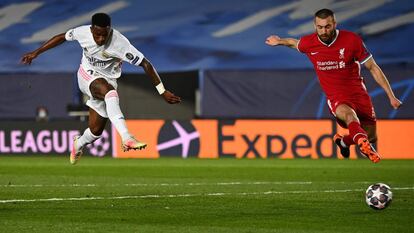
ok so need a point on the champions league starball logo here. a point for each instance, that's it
(178, 139)
(101, 146)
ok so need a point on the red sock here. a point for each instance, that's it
(348, 140)
(356, 132)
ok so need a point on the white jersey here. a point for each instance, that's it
(107, 59)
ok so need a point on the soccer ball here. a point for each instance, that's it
(378, 196)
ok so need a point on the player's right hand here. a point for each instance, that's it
(28, 58)
(171, 98)
(273, 40)
(395, 103)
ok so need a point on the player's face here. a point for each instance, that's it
(325, 28)
(100, 34)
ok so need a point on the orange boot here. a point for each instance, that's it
(369, 151)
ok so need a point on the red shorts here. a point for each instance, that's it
(362, 105)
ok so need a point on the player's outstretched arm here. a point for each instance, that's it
(275, 40)
(380, 78)
(156, 80)
(53, 42)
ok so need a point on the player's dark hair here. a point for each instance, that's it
(324, 13)
(101, 20)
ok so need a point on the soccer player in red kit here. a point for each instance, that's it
(337, 56)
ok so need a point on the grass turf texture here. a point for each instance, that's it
(225, 195)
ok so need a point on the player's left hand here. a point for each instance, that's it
(395, 103)
(171, 98)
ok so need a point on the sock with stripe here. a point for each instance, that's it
(87, 138)
(355, 133)
(115, 115)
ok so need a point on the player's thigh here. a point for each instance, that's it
(93, 84)
(97, 123)
(84, 80)
(99, 87)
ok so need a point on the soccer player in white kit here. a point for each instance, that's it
(104, 49)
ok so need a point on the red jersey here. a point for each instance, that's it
(337, 64)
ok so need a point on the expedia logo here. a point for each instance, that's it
(178, 138)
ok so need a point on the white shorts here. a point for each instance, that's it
(85, 78)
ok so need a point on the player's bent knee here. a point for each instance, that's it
(100, 87)
(111, 94)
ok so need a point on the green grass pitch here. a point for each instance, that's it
(47, 194)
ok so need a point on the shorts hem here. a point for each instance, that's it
(104, 115)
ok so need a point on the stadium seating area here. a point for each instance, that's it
(219, 35)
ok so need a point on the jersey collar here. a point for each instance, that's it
(333, 41)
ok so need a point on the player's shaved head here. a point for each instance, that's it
(324, 13)
(101, 20)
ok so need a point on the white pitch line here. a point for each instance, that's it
(56, 199)
(155, 184)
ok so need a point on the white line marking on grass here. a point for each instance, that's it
(46, 185)
(56, 199)
(155, 184)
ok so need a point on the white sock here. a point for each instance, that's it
(343, 143)
(87, 138)
(115, 115)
